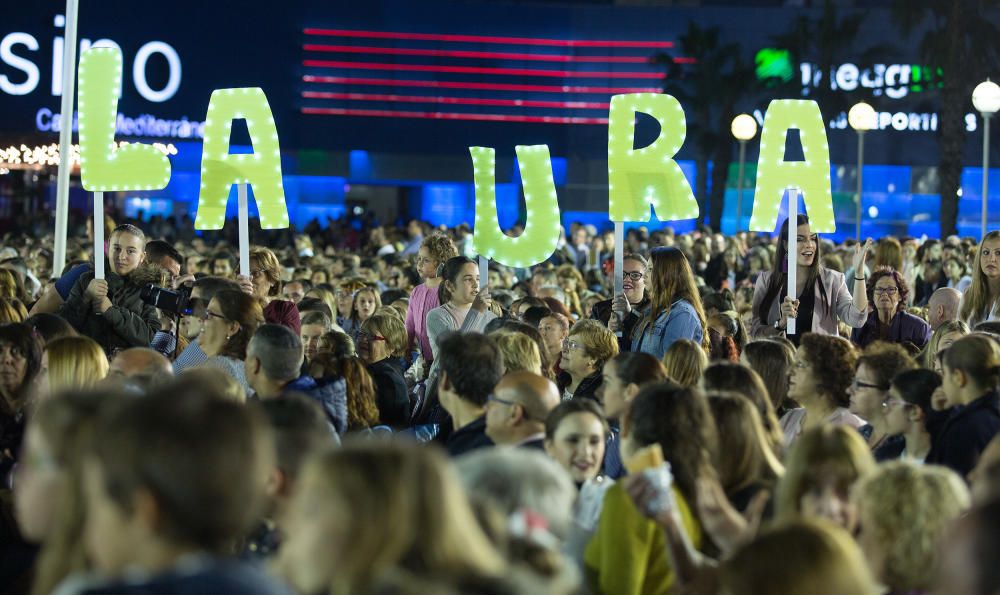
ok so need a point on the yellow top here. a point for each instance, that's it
(628, 553)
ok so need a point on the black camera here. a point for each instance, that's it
(175, 302)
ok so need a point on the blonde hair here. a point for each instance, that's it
(75, 363)
(265, 259)
(406, 509)
(390, 327)
(12, 310)
(8, 284)
(819, 454)
(598, 342)
(951, 326)
(685, 362)
(440, 247)
(906, 509)
(327, 297)
(805, 556)
(520, 352)
(977, 301)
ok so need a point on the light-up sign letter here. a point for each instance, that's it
(541, 230)
(638, 178)
(103, 167)
(775, 175)
(261, 169)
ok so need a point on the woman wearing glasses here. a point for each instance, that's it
(229, 321)
(821, 301)
(265, 276)
(586, 349)
(627, 309)
(876, 368)
(381, 340)
(887, 318)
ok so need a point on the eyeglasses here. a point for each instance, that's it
(568, 345)
(633, 275)
(885, 290)
(370, 337)
(858, 384)
(257, 272)
(209, 314)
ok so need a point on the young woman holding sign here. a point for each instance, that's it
(822, 299)
(464, 306)
(110, 310)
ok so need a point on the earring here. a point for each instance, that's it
(228, 337)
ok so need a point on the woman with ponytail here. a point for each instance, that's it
(821, 299)
(971, 381)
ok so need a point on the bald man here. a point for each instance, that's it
(140, 367)
(516, 411)
(943, 306)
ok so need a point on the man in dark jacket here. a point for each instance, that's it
(471, 366)
(110, 310)
(273, 366)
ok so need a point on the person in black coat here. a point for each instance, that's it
(971, 379)
(110, 310)
(381, 340)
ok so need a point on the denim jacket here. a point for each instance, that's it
(680, 322)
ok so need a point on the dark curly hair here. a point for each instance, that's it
(832, 360)
(902, 288)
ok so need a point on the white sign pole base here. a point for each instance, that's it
(793, 250)
(98, 235)
(244, 222)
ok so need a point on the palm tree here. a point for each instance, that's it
(960, 43)
(709, 91)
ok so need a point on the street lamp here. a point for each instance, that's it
(861, 117)
(986, 99)
(744, 128)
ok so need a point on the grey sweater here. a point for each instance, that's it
(440, 321)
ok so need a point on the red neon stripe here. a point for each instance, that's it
(456, 100)
(478, 70)
(451, 116)
(379, 82)
(356, 49)
(567, 43)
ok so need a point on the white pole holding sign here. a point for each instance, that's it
(98, 235)
(793, 250)
(244, 222)
(484, 271)
(65, 138)
(619, 270)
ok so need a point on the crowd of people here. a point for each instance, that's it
(362, 413)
